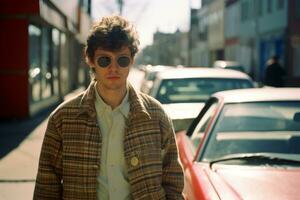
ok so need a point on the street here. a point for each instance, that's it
(20, 149)
(226, 73)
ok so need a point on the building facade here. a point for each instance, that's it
(232, 18)
(250, 32)
(42, 43)
(167, 49)
(293, 44)
(198, 34)
(263, 32)
(206, 37)
(215, 38)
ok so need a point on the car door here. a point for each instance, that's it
(189, 141)
(200, 128)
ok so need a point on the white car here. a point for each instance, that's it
(150, 75)
(183, 91)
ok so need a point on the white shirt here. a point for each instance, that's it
(113, 177)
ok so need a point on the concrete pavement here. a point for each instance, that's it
(19, 167)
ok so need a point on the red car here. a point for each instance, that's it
(244, 144)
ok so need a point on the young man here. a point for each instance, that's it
(110, 142)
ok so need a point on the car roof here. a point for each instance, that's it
(158, 68)
(259, 94)
(201, 72)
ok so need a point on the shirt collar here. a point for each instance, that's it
(123, 108)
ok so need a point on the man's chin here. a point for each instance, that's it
(115, 86)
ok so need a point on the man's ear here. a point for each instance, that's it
(132, 60)
(89, 62)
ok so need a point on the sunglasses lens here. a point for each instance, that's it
(103, 61)
(124, 61)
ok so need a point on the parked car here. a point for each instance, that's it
(244, 144)
(226, 64)
(150, 75)
(183, 91)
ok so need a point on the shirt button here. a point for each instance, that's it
(134, 161)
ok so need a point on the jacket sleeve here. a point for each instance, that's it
(49, 180)
(172, 180)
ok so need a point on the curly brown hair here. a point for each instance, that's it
(111, 33)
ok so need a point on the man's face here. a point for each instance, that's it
(112, 68)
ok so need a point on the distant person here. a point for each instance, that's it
(111, 141)
(274, 73)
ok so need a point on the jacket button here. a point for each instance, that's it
(134, 161)
(95, 166)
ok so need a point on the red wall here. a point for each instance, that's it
(19, 7)
(14, 68)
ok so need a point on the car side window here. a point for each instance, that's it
(200, 128)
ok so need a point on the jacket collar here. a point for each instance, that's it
(87, 102)
(137, 107)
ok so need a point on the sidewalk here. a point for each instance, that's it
(19, 167)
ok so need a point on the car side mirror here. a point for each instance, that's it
(296, 117)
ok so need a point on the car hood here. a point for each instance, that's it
(239, 182)
(183, 110)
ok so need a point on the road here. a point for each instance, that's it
(20, 150)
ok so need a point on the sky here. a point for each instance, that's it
(150, 16)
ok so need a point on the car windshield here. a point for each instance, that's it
(239, 68)
(265, 127)
(187, 90)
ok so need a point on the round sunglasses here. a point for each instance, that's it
(104, 61)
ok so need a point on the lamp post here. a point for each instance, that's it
(120, 3)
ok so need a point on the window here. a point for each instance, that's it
(255, 127)
(296, 60)
(46, 63)
(34, 63)
(196, 89)
(280, 4)
(259, 4)
(55, 60)
(198, 133)
(269, 6)
(86, 5)
(245, 11)
(64, 63)
(44, 50)
(298, 9)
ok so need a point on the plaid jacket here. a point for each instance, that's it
(70, 157)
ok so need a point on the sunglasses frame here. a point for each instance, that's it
(110, 61)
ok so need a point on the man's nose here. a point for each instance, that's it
(114, 64)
